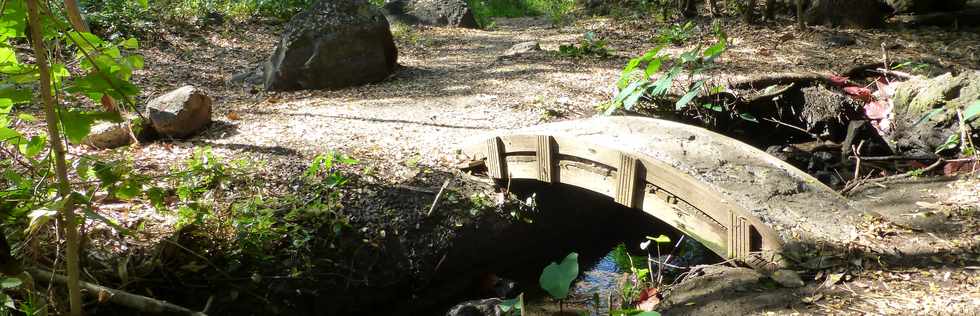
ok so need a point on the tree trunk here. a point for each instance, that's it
(67, 217)
(770, 10)
(689, 8)
(748, 12)
(75, 16)
(799, 15)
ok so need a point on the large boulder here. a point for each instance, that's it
(455, 13)
(180, 113)
(925, 6)
(334, 44)
(847, 13)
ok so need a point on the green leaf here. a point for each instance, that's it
(928, 116)
(631, 101)
(131, 43)
(129, 190)
(557, 278)
(37, 219)
(653, 67)
(663, 83)
(7, 301)
(715, 50)
(512, 305)
(628, 91)
(951, 142)
(7, 134)
(26, 117)
(143, 3)
(77, 124)
(34, 146)
(9, 283)
(689, 96)
(662, 239)
(6, 105)
(748, 117)
(972, 111)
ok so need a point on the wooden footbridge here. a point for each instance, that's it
(740, 202)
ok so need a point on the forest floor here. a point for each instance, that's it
(454, 85)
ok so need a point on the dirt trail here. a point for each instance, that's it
(451, 86)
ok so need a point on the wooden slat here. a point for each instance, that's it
(546, 159)
(628, 174)
(496, 162)
(738, 237)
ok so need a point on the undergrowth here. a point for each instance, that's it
(557, 11)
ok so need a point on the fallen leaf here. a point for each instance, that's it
(233, 116)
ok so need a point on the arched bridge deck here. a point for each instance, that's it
(738, 201)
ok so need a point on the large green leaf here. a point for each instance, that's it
(557, 277)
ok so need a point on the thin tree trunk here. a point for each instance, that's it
(75, 16)
(67, 217)
(748, 12)
(799, 15)
(770, 11)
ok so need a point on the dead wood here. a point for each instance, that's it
(120, 297)
(969, 17)
(796, 78)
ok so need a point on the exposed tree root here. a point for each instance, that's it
(119, 297)
(799, 79)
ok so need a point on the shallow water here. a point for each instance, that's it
(601, 285)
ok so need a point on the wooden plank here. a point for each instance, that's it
(546, 159)
(496, 160)
(738, 237)
(626, 185)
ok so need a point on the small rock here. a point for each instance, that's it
(487, 307)
(180, 113)
(109, 135)
(522, 48)
(787, 278)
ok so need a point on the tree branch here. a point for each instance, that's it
(120, 297)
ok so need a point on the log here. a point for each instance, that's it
(120, 297)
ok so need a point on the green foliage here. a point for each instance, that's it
(513, 307)
(677, 34)
(556, 278)
(588, 45)
(291, 224)
(485, 10)
(652, 75)
(136, 17)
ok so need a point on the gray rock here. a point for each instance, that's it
(522, 48)
(487, 307)
(455, 13)
(334, 44)
(180, 113)
(109, 135)
(847, 13)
